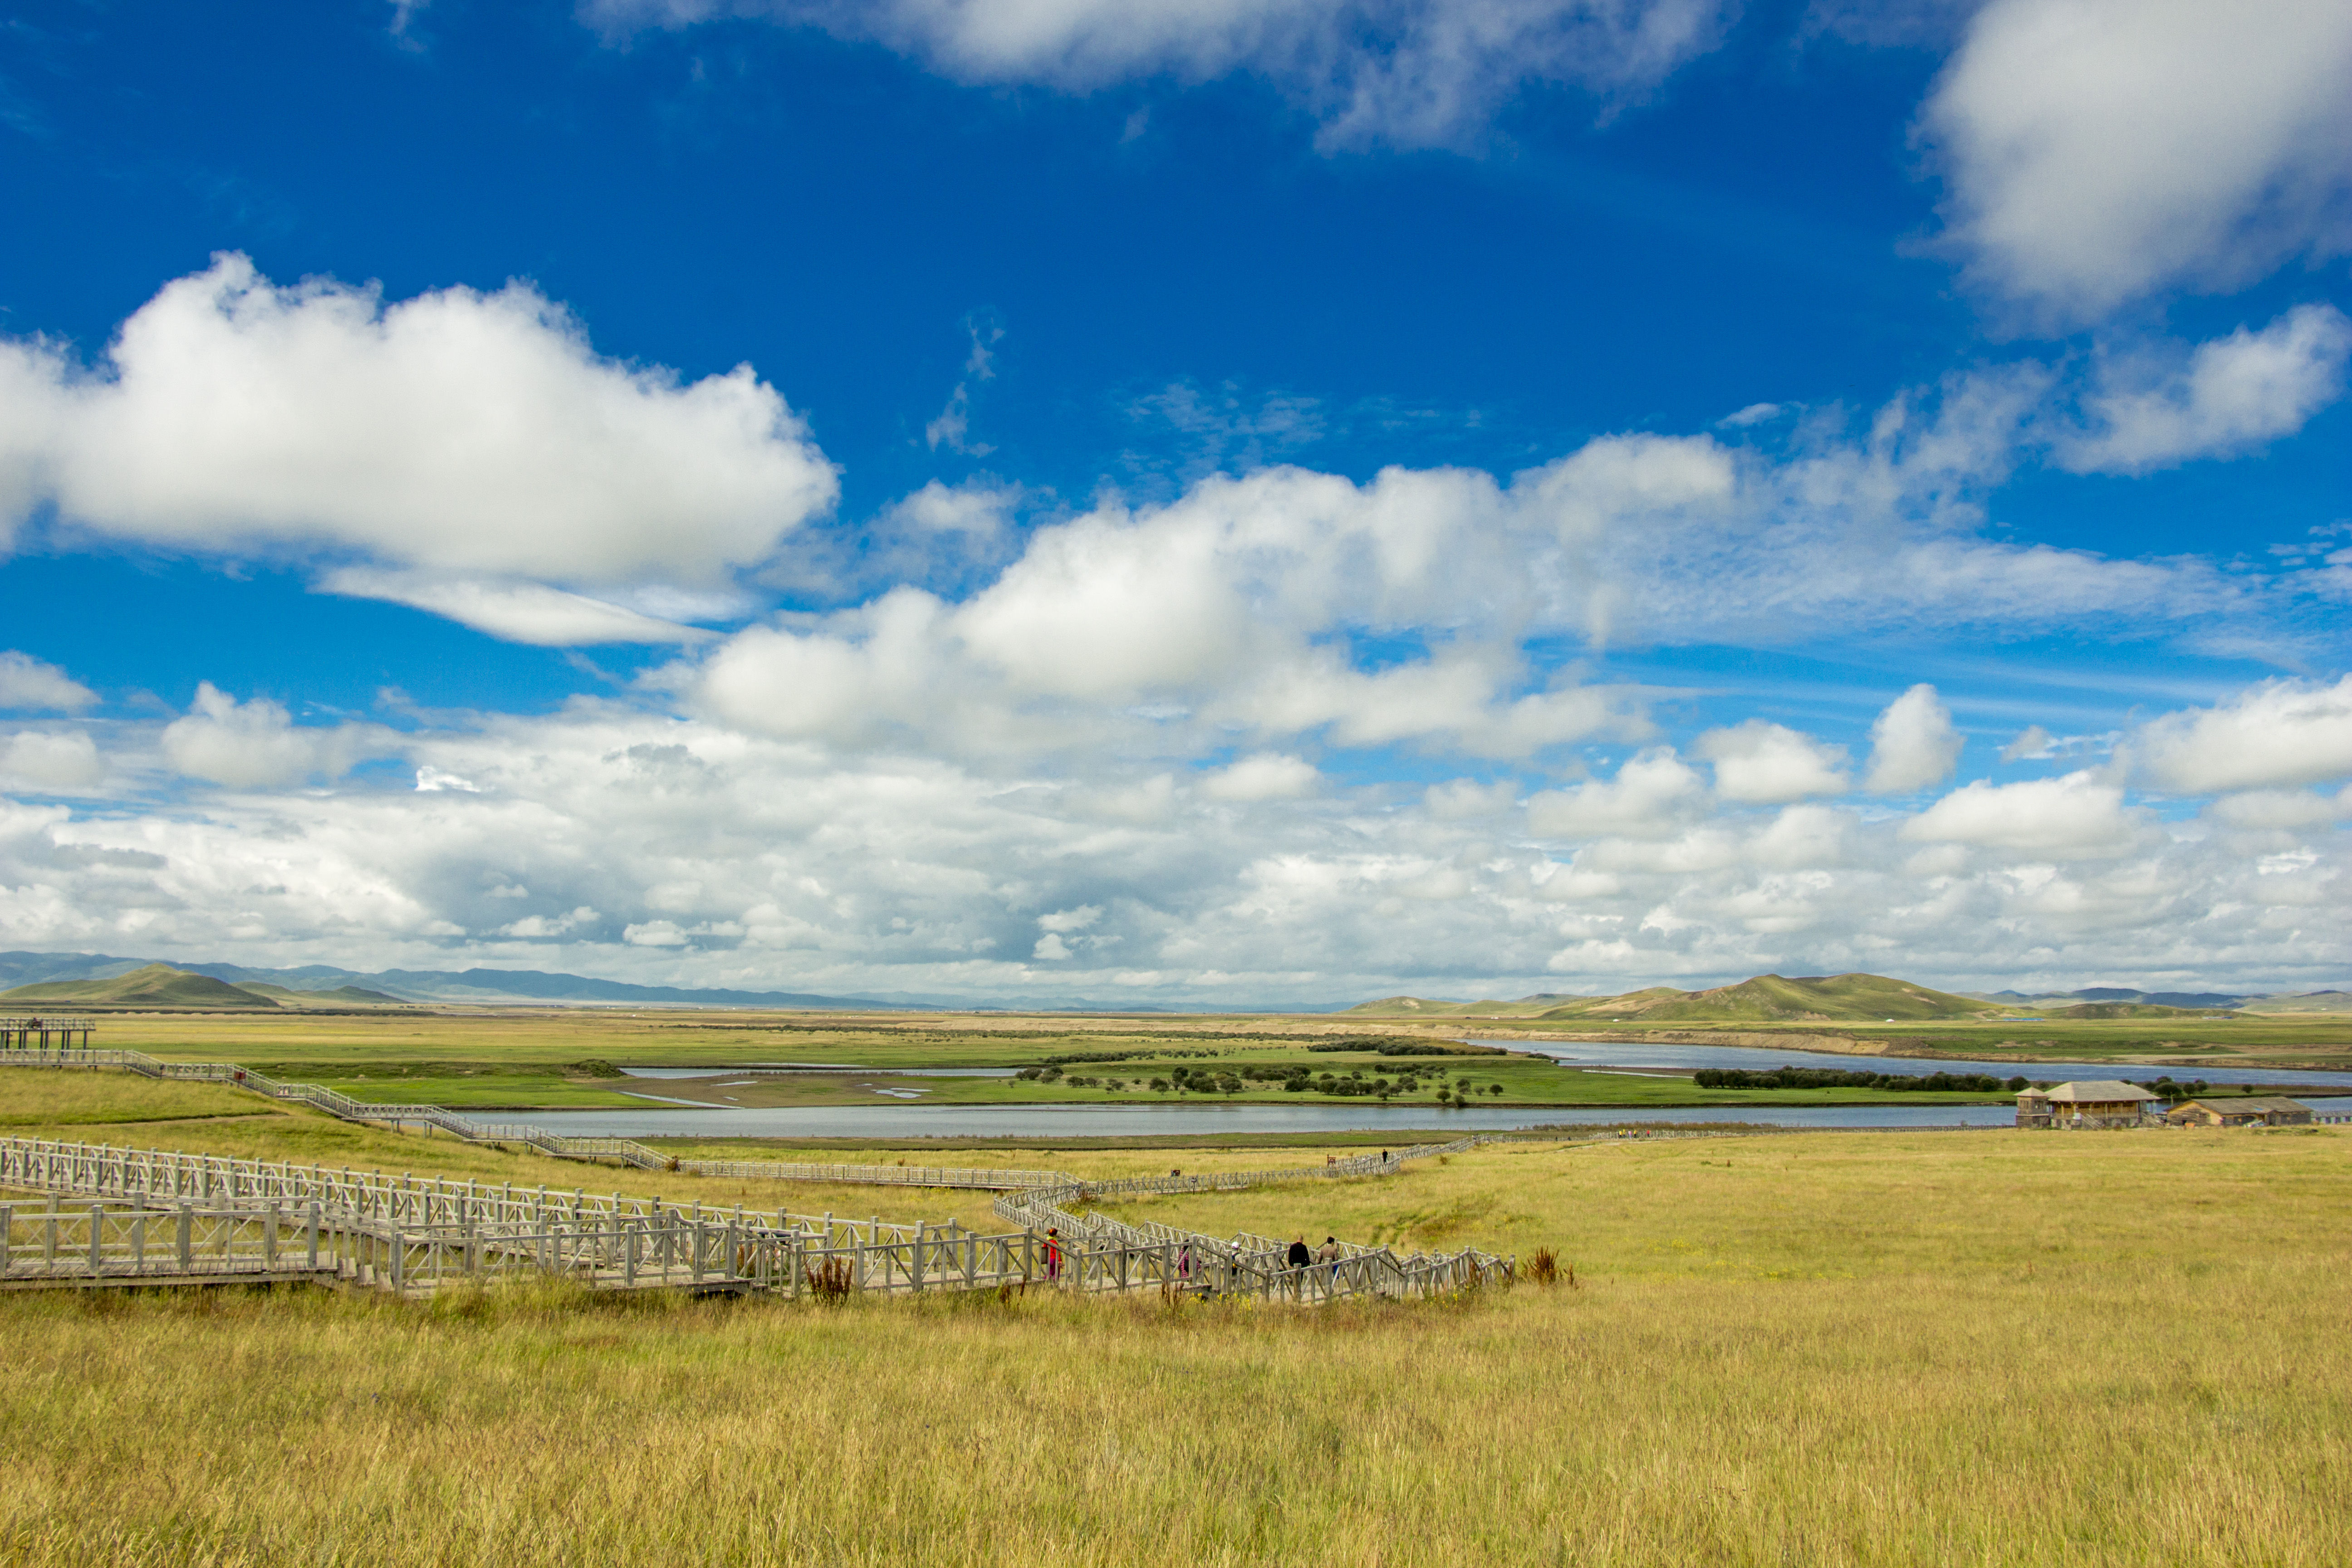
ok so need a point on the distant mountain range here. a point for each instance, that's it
(2115, 994)
(1848, 998)
(1766, 998)
(88, 977)
(106, 980)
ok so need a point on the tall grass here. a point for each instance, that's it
(1989, 1349)
(2162, 1416)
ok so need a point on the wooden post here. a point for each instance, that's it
(314, 1236)
(7, 1219)
(187, 1239)
(97, 1222)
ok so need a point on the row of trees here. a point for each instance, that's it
(1831, 1077)
(2165, 1087)
(1293, 1079)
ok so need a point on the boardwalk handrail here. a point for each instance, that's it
(1257, 1263)
(1045, 1200)
(411, 1236)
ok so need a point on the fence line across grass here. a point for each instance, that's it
(412, 1236)
(601, 1240)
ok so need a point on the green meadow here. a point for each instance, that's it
(530, 1058)
(1990, 1347)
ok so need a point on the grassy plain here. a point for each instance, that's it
(522, 1058)
(1992, 1348)
(2286, 1043)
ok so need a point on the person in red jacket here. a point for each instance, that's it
(1053, 1255)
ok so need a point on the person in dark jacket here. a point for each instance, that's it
(1299, 1257)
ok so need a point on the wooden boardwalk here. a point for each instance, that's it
(412, 1235)
(408, 1235)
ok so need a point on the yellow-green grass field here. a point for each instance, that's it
(518, 1059)
(2284, 1043)
(1983, 1348)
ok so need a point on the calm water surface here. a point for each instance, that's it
(1147, 1120)
(1135, 1121)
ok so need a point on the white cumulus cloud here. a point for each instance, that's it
(1653, 795)
(1266, 776)
(1771, 764)
(2098, 150)
(2281, 733)
(255, 743)
(1913, 745)
(459, 433)
(2280, 808)
(30, 685)
(2234, 394)
(2078, 815)
(63, 760)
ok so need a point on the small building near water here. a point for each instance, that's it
(2109, 1102)
(2253, 1111)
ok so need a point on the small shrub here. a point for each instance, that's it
(829, 1280)
(1543, 1267)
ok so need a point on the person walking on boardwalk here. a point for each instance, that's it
(1053, 1256)
(1299, 1257)
(1330, 1253)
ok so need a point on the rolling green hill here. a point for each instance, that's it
(341, 994)
(1767, 998)
(157, 985)
(2134, 1010)
(2319, 1002)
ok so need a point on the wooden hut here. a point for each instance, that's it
(2253, 1111)
(2107, 1103)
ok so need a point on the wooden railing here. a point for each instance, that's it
(412, 1236)
(1103, 1253)
(1256, 1265)
(89, 1240)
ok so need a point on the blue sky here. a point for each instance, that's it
(1180, 501)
